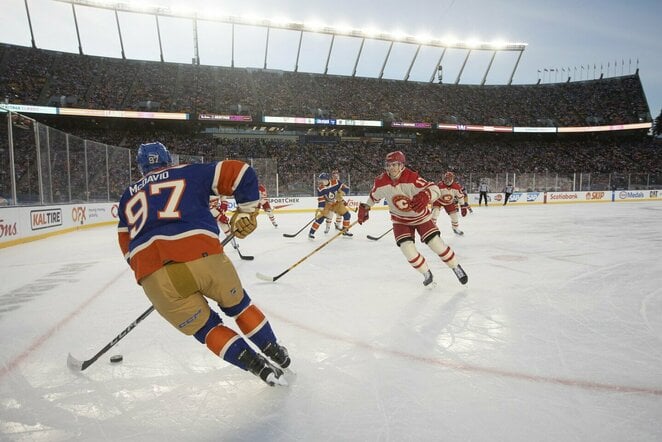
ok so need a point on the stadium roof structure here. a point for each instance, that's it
(391, 39)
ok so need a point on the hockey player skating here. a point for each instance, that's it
(453, 199)
(329, 202)
(170, 239)
(219, 207)
(408, 195)
(265, 205)
(335, 175)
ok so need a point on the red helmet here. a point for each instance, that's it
(449, 177)
(395, 157)
(394, 164)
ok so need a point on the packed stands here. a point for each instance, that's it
(46, 78)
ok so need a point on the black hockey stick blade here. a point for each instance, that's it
(292, 235)
(245, 257)
(377, 238)
(78, 365)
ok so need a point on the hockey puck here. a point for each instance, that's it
(116, 358)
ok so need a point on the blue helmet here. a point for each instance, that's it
(152, 156)
(324, 176)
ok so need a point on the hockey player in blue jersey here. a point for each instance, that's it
(329, 202)
(170, 239)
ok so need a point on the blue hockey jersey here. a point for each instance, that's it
(165, 216)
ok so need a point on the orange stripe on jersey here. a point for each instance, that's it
(124, 239)
(250, 321)
(162, 250)
(227, 176)
(219, 337)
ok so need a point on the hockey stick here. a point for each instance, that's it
(76, 364)
(377, 238)
(274, 278)
(292, 235)
(236, 247)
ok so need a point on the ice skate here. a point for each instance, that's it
(461, 275)
(261, 368)
(427, 278)
(327, 228)
(311, 235)
(458, 232)
(275, 224)
(347, 234)
(278, 354)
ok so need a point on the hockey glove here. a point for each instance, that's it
(420, 201)
(464, 208)
(364, 213)
(243, 223)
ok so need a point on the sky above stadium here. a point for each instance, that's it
(566, 38)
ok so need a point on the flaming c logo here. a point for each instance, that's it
(402, 202)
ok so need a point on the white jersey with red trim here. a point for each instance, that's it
(450, 195)
(398, 194)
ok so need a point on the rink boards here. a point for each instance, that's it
(29, 223)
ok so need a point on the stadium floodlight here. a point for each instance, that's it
(372, 33)
(398, 35)
(344, 28)
(474, 44)
(177, 10)
(310, 26)
(498, 44)
(424, 38)
(313, 26)
(279, 22)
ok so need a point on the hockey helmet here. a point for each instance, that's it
(395, 157)
(394, 164)
(324, 176)
(449, 177)
(152, 156)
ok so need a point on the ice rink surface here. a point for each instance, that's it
(556, 337)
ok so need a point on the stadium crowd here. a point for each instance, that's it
(33, 76)
(297, 162)
(38, 77)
